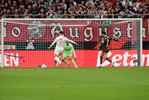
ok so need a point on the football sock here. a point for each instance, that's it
(73, 62)
(65, 61)
(57, 59)
(101, 60)
(108, 59)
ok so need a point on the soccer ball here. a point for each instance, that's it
(43, 66)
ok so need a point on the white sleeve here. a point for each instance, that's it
(53, 43)
(66, 39)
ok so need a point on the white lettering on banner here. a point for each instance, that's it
(143, 56)
(76, 35)
(129, 29)
(16, 34)
(144, 32)
(8, 61)
(122, 59)
(88, 37)
(5, 29)
(54, 29)
(131, 62)
(13, 59)
(117, 33)
(126, 55)
(100, 30)
(117, 58)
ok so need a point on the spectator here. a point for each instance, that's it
(29, 7)
(26, 13)
(85, 14)
(109, 4)
(9, 3)
(65, 14)
(15, 5)
(99, 3)
(120, 4)
(117, 5)
(12, 10)
(2, 4)
(8, 14)
(42, 13)
(6, 6)
(124, 2)
(58, 8)
(89, 3)
(30, 43)
(100, 14)
(57, 2)
(45, 5)
(20, 2)
(90, 15)
(34, 11)
(41, 6)
(35, 2)
(81, 12)
(103, 10)
(74, 3)
(21, 10)
(30, 3)
(50, 3)
(51, 14)
(92, 9)
(62, 9)
(53, 6)
(138, 3)
(73, 11)
(127, 14)
(64, 4)
(83, 4)
(5, 12)
(78, 7)
(59, 14)
(144, 11)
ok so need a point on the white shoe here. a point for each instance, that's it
(76, 66)
(113, 64)
(100, 66)
(67, 65)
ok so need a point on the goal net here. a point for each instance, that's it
(25, 42)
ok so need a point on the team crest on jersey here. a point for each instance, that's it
(36, 29)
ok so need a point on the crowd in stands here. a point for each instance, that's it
(74, 8)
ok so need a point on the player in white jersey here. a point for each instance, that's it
(60, 41)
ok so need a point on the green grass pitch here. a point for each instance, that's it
(129, 83)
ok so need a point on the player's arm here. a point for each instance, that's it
(71, 41)
(116, 40)
(74, 53)
(52, 43)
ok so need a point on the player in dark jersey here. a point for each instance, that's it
(105, 44)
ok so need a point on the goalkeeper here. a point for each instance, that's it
(68, 49)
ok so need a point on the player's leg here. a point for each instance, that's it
(70, 57)
(101, 60)
(64, 59)
(56, 55)
(107, 58)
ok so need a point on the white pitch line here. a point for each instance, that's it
(73, 86)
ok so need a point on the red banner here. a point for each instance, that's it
(85, 58)
(45, 31)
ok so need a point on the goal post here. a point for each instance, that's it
(18, 50)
